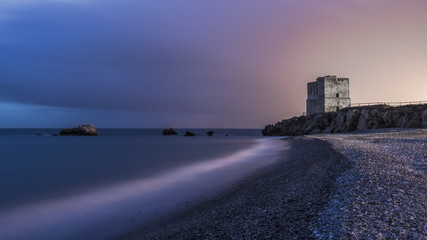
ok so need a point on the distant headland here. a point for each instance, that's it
(329, 110)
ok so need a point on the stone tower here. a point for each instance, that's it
(327, 94)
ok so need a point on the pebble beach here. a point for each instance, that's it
(360, 185)
(384, 194)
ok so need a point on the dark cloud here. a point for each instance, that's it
(72, 56)
(215, 63)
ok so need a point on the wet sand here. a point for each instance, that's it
(276, 202)
(358, 185)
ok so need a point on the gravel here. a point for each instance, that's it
(368, 185)
(384, 195)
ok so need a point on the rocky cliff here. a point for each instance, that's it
(351, 119)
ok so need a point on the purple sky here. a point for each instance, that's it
(192, 63)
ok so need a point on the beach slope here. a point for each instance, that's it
(383, 196)
(277, 202)
(361, 185)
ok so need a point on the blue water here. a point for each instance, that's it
(74, 187)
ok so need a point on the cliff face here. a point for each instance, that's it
(351, 119)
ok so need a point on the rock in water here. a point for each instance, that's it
(169, 131)
(83, 130)
(189, 134)
(210, 133)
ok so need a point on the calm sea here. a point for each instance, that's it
(77, 187)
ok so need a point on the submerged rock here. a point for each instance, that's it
(189, 134)
(210, 133)
(169, 131)
(82, 130)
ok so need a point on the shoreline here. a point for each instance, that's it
(104, 211)
(350, 185)
(275, 202)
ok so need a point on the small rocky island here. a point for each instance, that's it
(189, 134)
(169, 131)
(82, 130)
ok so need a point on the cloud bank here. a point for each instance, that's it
(204, 64)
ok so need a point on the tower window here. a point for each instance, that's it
(338, 95)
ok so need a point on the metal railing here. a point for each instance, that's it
(391, 104)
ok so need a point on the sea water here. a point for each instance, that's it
(95, 187)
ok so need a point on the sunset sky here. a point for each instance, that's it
(200, 64)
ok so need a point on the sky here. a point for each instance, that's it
(200, 64)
